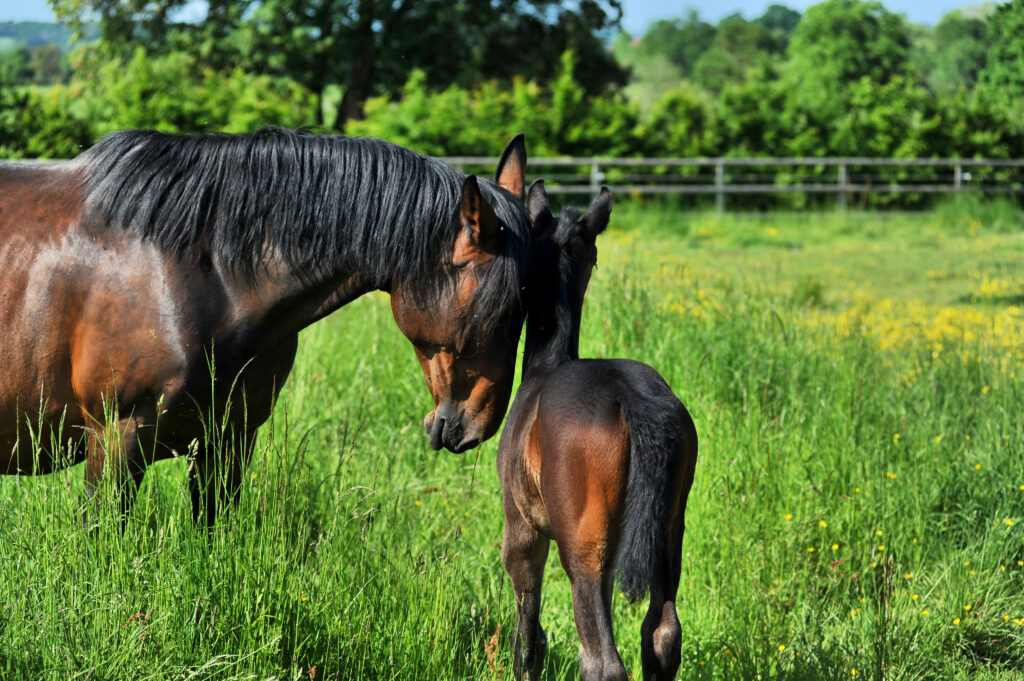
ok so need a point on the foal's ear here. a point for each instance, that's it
(479, 234)
(511, 172)
(596, 218)
(538, 208)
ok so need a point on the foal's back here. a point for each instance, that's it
(595, 424)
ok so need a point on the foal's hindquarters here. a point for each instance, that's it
(598, 455)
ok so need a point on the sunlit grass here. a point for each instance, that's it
(857, 513)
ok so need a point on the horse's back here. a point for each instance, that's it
(595, 391)
(573, 434)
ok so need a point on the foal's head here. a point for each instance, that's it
(565, 253)
(466, 334)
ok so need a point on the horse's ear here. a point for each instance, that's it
(511, 172)
(595, 220)
(538, 208)
(479, 234)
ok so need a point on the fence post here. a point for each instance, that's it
(958, 176)
(595, 176)
(719, 184)
(841, 181)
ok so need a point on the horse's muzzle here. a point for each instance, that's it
(445, 429)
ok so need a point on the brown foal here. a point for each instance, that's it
(596, 454)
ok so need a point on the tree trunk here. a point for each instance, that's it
(319, 93)
(359, 84)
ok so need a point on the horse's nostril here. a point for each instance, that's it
(453, 434)
(436, 432)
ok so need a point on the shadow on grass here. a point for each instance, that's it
(1011, 300)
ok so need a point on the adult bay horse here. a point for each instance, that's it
(597, 454)
(157, 282)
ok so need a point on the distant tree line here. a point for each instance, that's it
(846, 78)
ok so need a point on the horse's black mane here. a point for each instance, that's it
(321, 203)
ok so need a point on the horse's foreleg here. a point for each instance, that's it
(115, 453)
(215, 476)
(523, 553)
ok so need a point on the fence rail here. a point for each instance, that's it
(846, 178)
(721, 177)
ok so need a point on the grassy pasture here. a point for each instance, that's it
(858, 510)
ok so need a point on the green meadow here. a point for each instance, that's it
(858, 510)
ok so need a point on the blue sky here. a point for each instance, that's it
(636, 13)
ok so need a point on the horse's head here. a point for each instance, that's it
(565, 245)
(565, 254)
(466, 337)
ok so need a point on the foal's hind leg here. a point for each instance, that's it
(524, 552)
(660, 634)
(215, 476)
(592, 609)
(588, 556)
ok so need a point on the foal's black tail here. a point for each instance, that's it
(656, 436)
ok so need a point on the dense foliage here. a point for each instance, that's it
(847, 78)
(366, 46)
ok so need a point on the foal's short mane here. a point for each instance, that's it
(321, 202)
(553, 322)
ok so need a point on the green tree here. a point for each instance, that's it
(951, 55)
(46, 63)
(838, 42)
(560, 118)
(961, 50)
(836, 46)
(368, 46)
(738, 47)
(677, 125)
(750, 118)
(177, 93)
(680, 41)
(14, 65)
(34, 124)
(1003, 75)
(779, 19)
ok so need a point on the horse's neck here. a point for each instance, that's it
(552, 335)
(278, 302)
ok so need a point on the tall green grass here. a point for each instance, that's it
(357, 550)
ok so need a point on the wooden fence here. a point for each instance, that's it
(845, 177)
